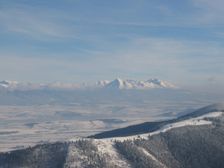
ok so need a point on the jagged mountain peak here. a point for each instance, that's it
(119, 83)
(102, 83)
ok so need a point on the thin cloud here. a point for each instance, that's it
(179, 61)
(113, 39)
(27, 22)
(210, 12)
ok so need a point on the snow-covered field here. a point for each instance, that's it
(27, 125)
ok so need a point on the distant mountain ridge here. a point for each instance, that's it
(138, 84)
(24, 86)
(102, 84)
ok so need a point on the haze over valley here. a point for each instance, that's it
(46, 113)
(111, 84)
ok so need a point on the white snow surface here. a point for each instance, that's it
(152, 157)
(106, 148)
(189, 122)
(74, 158)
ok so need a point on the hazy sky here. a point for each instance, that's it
(87, 40)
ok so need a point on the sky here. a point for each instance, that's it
(89, 40)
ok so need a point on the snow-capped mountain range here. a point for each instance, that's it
(14, 85)
(136, 84)
(103, 84)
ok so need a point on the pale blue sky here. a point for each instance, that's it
(88, 40)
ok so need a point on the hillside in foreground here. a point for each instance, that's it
(191, 141)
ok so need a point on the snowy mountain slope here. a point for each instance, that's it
(102, 83)
(181, 143)
(153, 126)
(198, 121)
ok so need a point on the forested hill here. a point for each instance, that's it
(192, 143)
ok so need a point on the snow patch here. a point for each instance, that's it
(74, 158)
(151, 156)
(106, 148)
